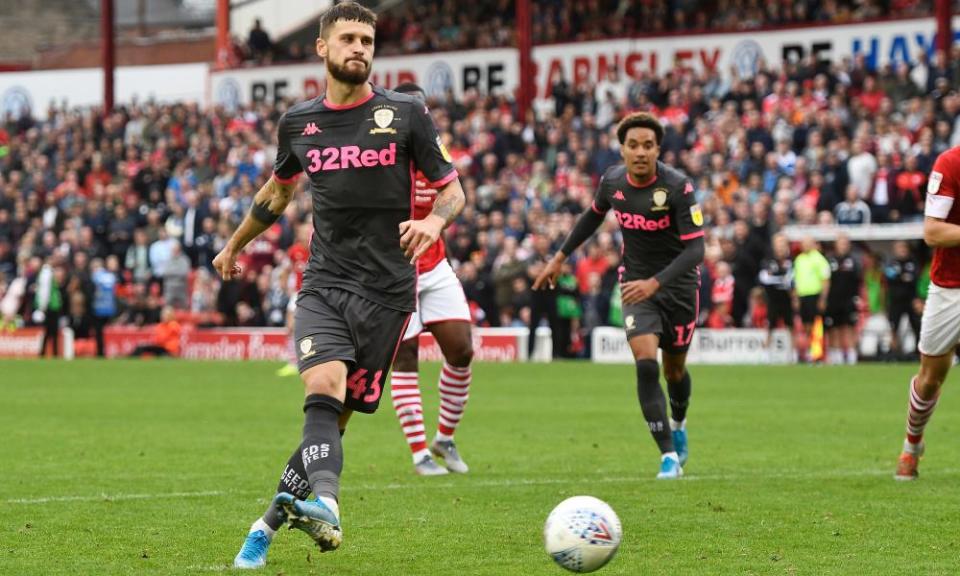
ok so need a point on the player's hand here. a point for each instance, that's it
(637, 291)
(225, 263)
(548, 274)
(416, 236)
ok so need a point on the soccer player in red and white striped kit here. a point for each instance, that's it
(442, 309)
(940, 326)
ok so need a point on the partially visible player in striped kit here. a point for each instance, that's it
(442, 310)
(940, 326)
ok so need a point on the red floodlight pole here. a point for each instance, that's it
(106, 44)
(944, 28)
(223, 34)
(525, 92)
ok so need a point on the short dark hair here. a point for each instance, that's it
(640, 120)
(350, 11)
(411, 88)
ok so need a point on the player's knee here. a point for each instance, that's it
(325, 382)
(462, 355)
(674, 373)
(929, 382)
(406, 360)
(648, 375)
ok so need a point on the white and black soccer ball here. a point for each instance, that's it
(582, 534)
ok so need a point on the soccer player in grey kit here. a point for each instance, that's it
(360, 146)
(660, 277)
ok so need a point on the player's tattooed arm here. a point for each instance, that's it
(268, 205)
(449, 202)
(416, 236)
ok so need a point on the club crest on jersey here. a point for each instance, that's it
(696, 214)
(383, 118)
(306, 348)
(659, 200)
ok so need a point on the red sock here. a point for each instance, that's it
(405, 390)
(454, 392)
(918, 413)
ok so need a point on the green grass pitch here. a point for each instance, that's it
(159, 467)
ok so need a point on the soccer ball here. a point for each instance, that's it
(582, 534)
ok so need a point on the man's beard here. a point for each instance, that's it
(348, 76)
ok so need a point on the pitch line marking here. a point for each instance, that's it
(115, 497)
(835, 475)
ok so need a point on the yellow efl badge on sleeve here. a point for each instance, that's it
(443, 150)
(696, 214)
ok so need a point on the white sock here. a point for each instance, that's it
(441, 437)
(666, 455)
(911, 448)
(419, 455)
(674, 425)
(331, 504)
(261, 525)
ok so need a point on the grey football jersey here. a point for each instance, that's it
(361, 161)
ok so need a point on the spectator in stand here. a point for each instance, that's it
(881, 191)
(722, 297)
(852, 211)
(161, 251)
(909, 191)
(259, 43)
(506, 269)
(138, 257)
(175, 273)
(104, 302)
(861, 168)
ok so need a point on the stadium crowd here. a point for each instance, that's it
(107, 218)
(436, 25)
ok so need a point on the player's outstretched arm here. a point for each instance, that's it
(940, 234)
(268, 205)
(416, 236)
(586, 225)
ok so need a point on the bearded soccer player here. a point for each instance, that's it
(940, 325)
(442, 309)
(662, 250)
(360, 146)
